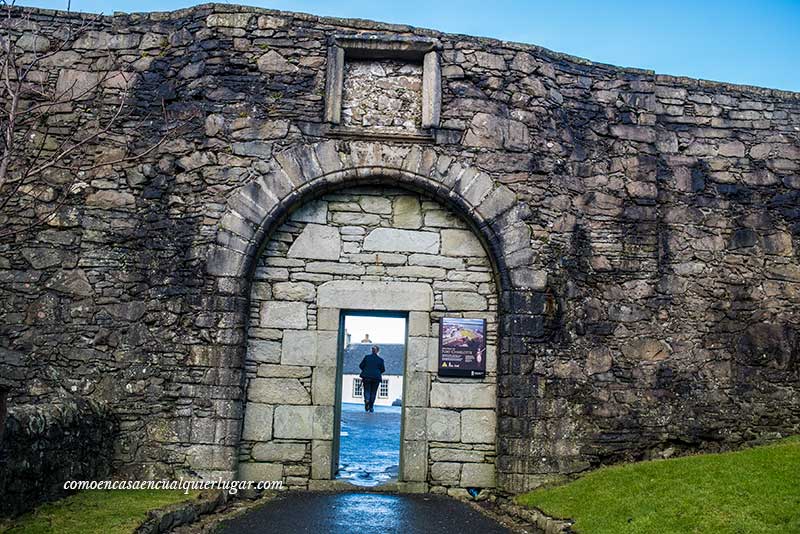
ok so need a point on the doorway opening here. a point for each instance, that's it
(369, 397)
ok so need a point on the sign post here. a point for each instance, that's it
(462, 347)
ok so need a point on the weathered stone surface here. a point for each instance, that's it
(371, 295)
(73, 281)
(278, 391)
(293, 422)
(443, 425)
(406, 213)
(110, 199)
(648, 350)
(446, 471)
(278, 452)
(299, 347)
(478, 426)
(257, 471)
(461, 243)
(491, 131)
(257, 422)
(264, 351)
(463, 301)
(392, 240)
(317, 242)
(598, 360)
(298, 291)
(311, 212)
(274, 63)
(478, 476)
(475, 395)
(283, 315)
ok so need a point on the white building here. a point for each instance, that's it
(391, 389)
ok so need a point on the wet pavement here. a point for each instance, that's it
(362, 513)
(369, 446)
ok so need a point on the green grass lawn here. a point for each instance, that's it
(745, 492)
(94, 512)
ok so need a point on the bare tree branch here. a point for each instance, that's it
(35, 140)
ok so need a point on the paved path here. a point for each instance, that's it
(369, 450)
(362, 513)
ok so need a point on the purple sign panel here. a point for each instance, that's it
(462, 347)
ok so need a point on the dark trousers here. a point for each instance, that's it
(370, 392)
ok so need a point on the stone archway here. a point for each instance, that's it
(489, 209)
(368, 249)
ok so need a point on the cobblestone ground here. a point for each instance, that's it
(364, 513)
(369, 451)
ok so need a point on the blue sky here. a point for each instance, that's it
(749, 42)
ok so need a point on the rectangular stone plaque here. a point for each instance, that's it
(462, 347)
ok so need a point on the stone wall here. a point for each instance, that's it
(370, 249)
(643, 228)
(382, 93)
(46, 445)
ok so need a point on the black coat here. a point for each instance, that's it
(372, 367)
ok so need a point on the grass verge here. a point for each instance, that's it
(94, 512)
(750, 491)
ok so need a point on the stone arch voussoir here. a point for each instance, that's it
(301, 172)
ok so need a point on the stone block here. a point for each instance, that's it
(464, 301)
(299, 347)
(394, 240)
(431, 260)
(257, 422)
(327, 348)
(417, 354)
(315, 212)
(328, 319)
(257, 471)
(274, 63)
(414, 424)
(446, 472)
(296, 291)
(267, 370)
(461, 243)
(278, 391)
(329, 267)
(321, 452)
(419, 324)
(263, 351)
(374, 204)
(412, 271)
(352, 218)
(478, 426)
(322, 427)
(276, 314)
(293, 422)
(374, 295)
(415, 461)
(278, 452)
(457, 395)
(477, 476)
(323, 386)
(317, 242)
(406, 212)
(415, 389)
(443, 425)
(440, 454)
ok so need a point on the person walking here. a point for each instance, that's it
(372, 369)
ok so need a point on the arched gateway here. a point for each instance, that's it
(365, 226)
